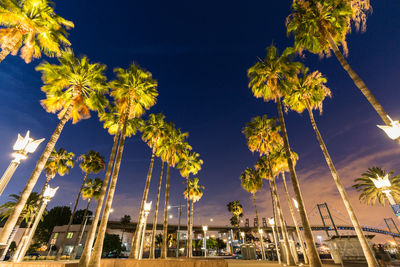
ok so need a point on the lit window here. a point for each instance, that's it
(69, 235)
(55, 236)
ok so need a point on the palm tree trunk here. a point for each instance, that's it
(60, 250)
(258, 226)
(189, 234)
(139, 226)
(154, 230)
(359, 83)
(24, 237)
(87, 250)
(12, 220)
(98, 246)
(164, 248)
(289, 257)
(368, 253)
(303, 249)
(77, 240)
(312, 253)
(191, 229)
(275, 226)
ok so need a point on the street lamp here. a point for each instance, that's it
(261, 232)
(271, 221)
(179, 226)
(384, 184)
(243, 235)
(47, 196)
(205, 228)
(392, 131)
(22, 147)
(147, 208)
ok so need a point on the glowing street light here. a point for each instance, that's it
(296, 204)
(22, 147)
(243, 235)
(48, 194)
(147, 209)
(392, 131)
(205, 228)
(384, 184)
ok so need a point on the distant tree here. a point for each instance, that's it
(79, 215)
(237, 210)
(57, 216)
(159, 240)
(125, 221)
(112, 243)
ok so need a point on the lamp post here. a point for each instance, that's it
(179, 226)
(271, 221)
(73, 254)
(384, 184)
(392, 131)
(147, 208)
(242, 234)
(205, 228)
(47, 196)
(22, 147)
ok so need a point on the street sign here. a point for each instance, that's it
(396, 209)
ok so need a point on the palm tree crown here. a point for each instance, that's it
(189, 162)
(113, 119)
(195, 190)
(262, 134)
(92, 188)
(370, 193)
(59, 163)
(305, 91)
(153, 130)
(92, 162)
(34, 26)
(251, 180)
(74, 82)
(28, 211)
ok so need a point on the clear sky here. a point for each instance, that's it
(199, 53)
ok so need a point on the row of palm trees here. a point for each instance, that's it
(73, 88)
(318, 26)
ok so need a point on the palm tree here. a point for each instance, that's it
(265, 81)
(189, 163)
(236, 209)
(252, 182)
(280, 165)
(170, 150)
(32, 25)
(193, 192)
(74, 98)
(265, 169)
(90, 191)
(370, 193)
(322, 26)
(152, 134)
(92, 162)
(307, 91)
(59, 163)
(125, 221)
(27, 214)
(111, 121)
(134, 91)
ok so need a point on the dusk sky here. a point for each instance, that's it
(199, 52)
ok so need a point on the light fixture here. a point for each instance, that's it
(260, 231)
(296, 204)
(271, 221)
(392, 131)
(205, 228)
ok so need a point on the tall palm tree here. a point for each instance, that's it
(189, 163)
(90, 191)
(134, 91)
(27, 214)
(370, 193)
(265, 169)
(32, 25)
(152, 134)
(59, 163)
(280, 165)
(112, 121)
(265, 81)
(170, 150)
(321, 26)
(92, 162)
(74, 98)
(252, 182)
(307, 91)
(193, 192)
